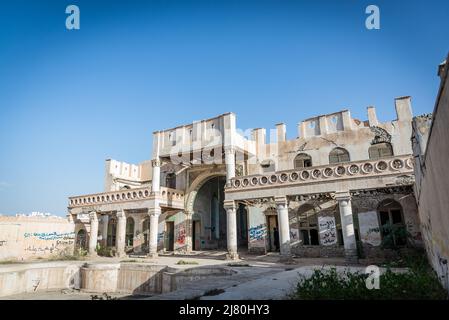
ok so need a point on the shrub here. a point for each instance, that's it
(417, 283)
(186, 262)
(81, 252)
(105, 251)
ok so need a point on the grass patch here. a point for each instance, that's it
(182, 262)
(10, 261)
(129, 260)
(236, 264)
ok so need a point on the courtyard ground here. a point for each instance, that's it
(255, 277)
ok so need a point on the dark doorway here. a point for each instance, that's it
(242, 226)
(170, 236)
(81, 242)
(272, 223)
(196, 229)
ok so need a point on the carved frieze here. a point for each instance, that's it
(380, 135)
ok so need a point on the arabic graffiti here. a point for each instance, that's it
(257, 232)
(328, 230)
(50, 235)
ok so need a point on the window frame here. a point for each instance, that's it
(344, 151)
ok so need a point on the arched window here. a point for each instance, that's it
(303, 160)
(338, 155)
(170, 180)
(308, 225)
(380, 150)
(112, 230)
(391, 222)
(268, 166)
(81, 239)
(129, 232)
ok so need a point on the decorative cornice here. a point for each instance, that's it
(399, 165)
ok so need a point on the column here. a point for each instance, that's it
(121, 233)
(231, 214)
(189, 230)
(104, 232)
(93, 233)
(154, 226)
(347, 224)
(230, 163)
(156, 183)
(284, 227)
(137, 233)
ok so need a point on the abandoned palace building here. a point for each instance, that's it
(210, 186)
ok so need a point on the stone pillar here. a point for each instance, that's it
(156, 183)
(231, 214)
(93, 233)
(104, 232)
(347, 224)
(189, 230)
(284, 227)
(230, 163)
(154, 225)
(121, 233)
(137, 233)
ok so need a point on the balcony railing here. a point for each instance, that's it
(165, 195)
(349, 170)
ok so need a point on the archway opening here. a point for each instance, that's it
(112, 231)
(209, 228)
(81, 240)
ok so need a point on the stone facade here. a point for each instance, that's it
(209, 187)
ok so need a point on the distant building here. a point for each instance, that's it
(431, 151)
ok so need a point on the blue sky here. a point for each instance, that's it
(71, 99)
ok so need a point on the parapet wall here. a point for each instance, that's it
(26, 238)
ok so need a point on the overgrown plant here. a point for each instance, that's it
(417, 283)
(392, 233)
(105, 251)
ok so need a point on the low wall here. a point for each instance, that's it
(25, 238)
(34, 277)
(318, 251)
(131, 278)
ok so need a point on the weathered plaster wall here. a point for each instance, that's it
(433, 199)
(24, 238)
(257, 225)
(356, 137)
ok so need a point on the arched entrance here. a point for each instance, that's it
(112, 231)
(81, 240)
(209, 225)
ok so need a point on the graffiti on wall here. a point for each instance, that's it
(328, 230)
(368, 224)
(50, 235)
(42, 243)
(257, 232)
(294, 234)
(180, 234)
